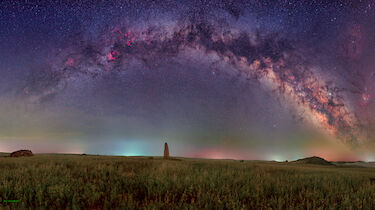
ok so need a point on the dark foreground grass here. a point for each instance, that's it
(97, 182)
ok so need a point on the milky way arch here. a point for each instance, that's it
(266, 58)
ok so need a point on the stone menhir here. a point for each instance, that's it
(166, 151)
(21, 153)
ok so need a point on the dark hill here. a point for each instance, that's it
(314, 160)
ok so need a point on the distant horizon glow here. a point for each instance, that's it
(134, 149)
(152, 147)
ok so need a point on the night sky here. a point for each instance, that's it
(254, 79)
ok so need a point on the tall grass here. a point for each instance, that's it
(97, 182)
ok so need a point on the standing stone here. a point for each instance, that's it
(166, 151)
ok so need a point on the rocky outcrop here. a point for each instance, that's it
(21, 153)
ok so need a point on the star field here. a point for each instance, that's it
(205, 75)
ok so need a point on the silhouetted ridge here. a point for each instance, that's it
(313, 160)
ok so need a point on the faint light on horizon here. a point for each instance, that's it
(278, 158)
(136, 148)
(215, 155)
(132, 149)
(369, 158)
(221, 153)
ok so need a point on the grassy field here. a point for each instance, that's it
(97, 182)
